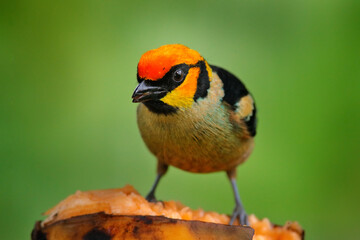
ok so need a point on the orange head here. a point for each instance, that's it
(154, 64)
(171, 77)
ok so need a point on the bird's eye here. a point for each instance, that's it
(178, 75)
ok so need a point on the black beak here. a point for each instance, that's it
(145, 92)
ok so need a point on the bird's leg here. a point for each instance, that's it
(151, 195)
(161, 170)
(239, 211)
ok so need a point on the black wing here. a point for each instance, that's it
(236, 95)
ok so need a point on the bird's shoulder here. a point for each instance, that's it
(239, 100)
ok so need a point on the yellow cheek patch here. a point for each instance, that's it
(183, 95)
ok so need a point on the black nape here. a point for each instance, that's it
(203, 82)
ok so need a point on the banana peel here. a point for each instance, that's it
(102, 226)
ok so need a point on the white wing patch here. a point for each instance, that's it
(245, 107)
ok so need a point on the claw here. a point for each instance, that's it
(239, 214)
(151, 197)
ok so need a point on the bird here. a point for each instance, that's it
(194, 116)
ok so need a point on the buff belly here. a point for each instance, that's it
(196, 144)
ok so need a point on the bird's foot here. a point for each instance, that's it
(151, 197)
(240, 214)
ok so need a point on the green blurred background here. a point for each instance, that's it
(68, 70)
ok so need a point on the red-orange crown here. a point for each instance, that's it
(154, 64)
